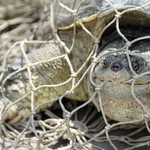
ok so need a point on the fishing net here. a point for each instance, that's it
(32, 32)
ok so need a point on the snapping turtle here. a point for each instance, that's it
(119, 62)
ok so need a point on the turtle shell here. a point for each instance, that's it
(88, 10)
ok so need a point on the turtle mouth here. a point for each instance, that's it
(126, 82)
(123, 90)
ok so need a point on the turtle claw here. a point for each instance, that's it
(14, 115)
(15, 119)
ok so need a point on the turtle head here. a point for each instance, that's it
(115, 68)
(116, 93)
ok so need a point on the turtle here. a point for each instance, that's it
(109, 55)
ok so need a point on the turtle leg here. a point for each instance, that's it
(48, 74)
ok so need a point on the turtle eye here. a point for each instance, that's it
(135, 65)
(104, 64)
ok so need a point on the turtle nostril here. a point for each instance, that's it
(116, 66)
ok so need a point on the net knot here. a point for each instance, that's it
(75, 13)
(97, 88)
(122, 138)
(107, 127)
(33, 113)
(34, 89)
(73, 75)
(67, 115)
(135, 77)
(128, 44)
(94, 60)
(28, 65)
(118, 15)
(147, 115)
(97, 41)
(68, 93)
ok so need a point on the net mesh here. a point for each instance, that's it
(67, 124)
